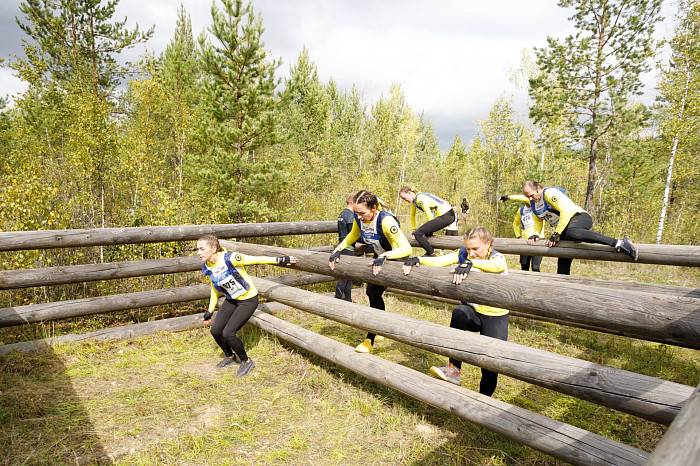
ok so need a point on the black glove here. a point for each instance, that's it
(428, 235)
(554, 238)
(463, 268)
(284, 260)
(411, 261)
(503, 198)
(207, 315)
(335, 257)
(379, 261)
(534, 237)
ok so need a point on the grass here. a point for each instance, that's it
(159, 399)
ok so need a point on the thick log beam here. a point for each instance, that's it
(647, 397)
(656, 317)
(542, 277)
(26, 278)
(661, 254)
(89, 306)
(560, 440)
(51, 239)
(680, 445)
(170, 325)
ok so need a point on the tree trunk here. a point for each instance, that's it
(669, 173)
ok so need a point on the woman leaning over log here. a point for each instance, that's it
(226, 273)
(379, 229)
(487, 320)
(439, 212)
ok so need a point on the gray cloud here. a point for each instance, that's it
(450, 57)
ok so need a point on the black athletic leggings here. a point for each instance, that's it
(465, 317)
(428, 228)
(579, 229)
(343, 289)
(525, 262)
(232, 315)
(374, 293)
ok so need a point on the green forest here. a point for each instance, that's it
(207, 131)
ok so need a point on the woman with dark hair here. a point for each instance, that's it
(379, 229)
(226, 273)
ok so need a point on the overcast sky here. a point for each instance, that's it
(451, 58)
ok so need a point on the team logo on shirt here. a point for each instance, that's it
(238, 258)
(394, 229)
(554, 198)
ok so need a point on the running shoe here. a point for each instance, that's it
(449, 373)
(378, 338)
(245, 368)
(365, 346)
(227, 362)
(628, 248)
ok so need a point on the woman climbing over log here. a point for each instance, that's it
(439, 212)
(382, 231)
(487, 320)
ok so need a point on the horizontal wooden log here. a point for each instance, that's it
(50, 239)
(25, 278)
(560, 440)
(661, 254)
(170, 325)
(647, 397)
(543, 277)
(680, 445)
(656, 317)
(89, 306)
(413, 294)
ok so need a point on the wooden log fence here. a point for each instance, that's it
(661, 254)
(170, 325)
(51, 239)
(560, 440)
(542, 277)
(647, 397)
(680, 445)
(26, 278)
(120, 302)
(649, 316)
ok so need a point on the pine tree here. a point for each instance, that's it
(587, 80)
(242, 114)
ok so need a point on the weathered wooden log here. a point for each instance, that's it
(25, 278)
(662, 254)
(656, 317)
(543, 277)
(647, 397)
(120, 302)
(440, 299)
(50, 239)
(560, 440)
(680, 445)
(171, 325)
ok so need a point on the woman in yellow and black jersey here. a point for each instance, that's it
(570, 222)
(487, 320)
(439, 212)
(227, 275)
(379, 229)
(525, 224)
